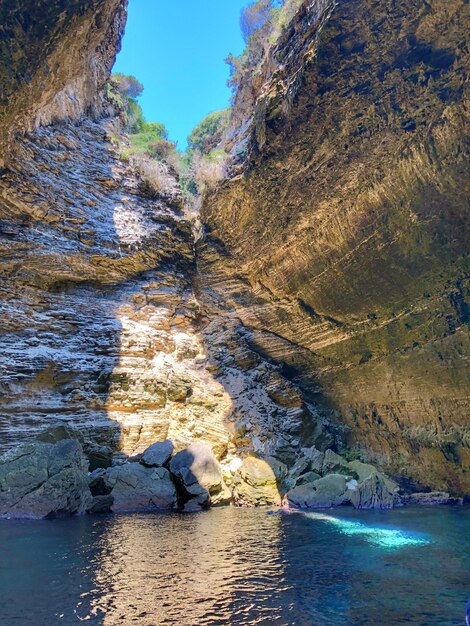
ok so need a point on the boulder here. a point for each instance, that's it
(309, 464)
(97, 483)
(134, 487)
(281, 472)
(335, 464)
(324, 493)
(199, 477)
(255, 484)
(315, 459)
(361, 471)
(279, 468)
(101, 504)
(373, 490)
(41, 480)
(309, 477)
(301, 466)
(230, 465)
(157, 454)
(97, 455)
(54, 434)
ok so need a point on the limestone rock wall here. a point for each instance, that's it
(55, 56)
(101, 327)
(341, 238)
(327, 304)
(93, 276)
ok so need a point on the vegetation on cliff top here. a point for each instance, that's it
(155, 157)
(204, 161)
(149, 138)
(207, 135)
(203, 164)
(261, 23)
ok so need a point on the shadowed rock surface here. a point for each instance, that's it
(44, 480)
(157, 454)
(374, 490)
(95, 294)
(199, 477)
(369, 490)
(55, 57)
(322, 494)
(137, 488)
(341, 238)
(431, 498)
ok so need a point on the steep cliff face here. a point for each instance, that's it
(93, 275)
(325, 306)
(54, 58)
(101, 328)
(342, 237)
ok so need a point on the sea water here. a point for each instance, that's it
(238, 566)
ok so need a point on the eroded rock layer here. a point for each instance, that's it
(341, 240)
(101, 327)
(95, 278)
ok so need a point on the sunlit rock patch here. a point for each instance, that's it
(103, 327)
(65, 273)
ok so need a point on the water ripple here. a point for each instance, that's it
(237, 567)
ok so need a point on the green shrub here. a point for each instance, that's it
(125, 155)
(162, 149)
(150, 134)
(122, 91)
(261, 22)
(156, 159)
(255, 16)
(113, 95)
(207, 135)
(128, 86)
(187, 180)
(135, 116)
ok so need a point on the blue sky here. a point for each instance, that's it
(176, 48)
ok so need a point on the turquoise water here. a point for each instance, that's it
(388, 538)
(238, 566)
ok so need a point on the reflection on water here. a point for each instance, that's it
(233, 566)
(202, 566)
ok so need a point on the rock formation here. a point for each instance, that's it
(323, 310)
(55, 57)
(256, 484)
(44, 480)
(133, 487)
(341, 237)
(199, 477)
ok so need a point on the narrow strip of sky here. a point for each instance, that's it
(176, 49)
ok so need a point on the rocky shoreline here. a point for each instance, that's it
(41, 480)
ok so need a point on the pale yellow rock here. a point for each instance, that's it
(255, 484)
